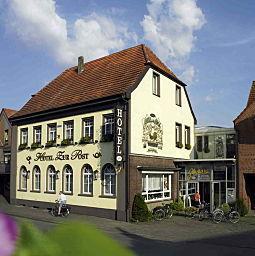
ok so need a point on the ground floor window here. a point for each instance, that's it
(156, 186)
(36, 178)
(87, 183)
(109, 180)
(23, 178)
(68, 179)
(51, 173)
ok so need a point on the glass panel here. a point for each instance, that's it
(216, 195)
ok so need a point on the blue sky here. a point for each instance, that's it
(208, 44)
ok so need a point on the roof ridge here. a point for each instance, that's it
(147, 60)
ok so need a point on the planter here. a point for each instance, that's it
(66, 142)
(35, 145)
(22, 146)
(51, 143)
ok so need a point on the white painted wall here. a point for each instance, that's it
(143, 103)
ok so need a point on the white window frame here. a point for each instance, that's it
(68, 179)
(23, 178)
(178, 132)
(87, 182)
(146, 192)
(187, 135)
(37, 134)
(51, 173)
(88, 127)
(110, 179)
(37, 179)
(108, 122)
(52, 132)
(178, 100)
(24, 136)
(69, 130)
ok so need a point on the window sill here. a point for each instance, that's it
(178, 105)
(68, 193)
(49, 192)
(158, 95)
(108, 196)
(35, 191)
(85, 195)
(22, 190)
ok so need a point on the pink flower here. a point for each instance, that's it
(8, 235)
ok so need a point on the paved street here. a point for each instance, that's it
(176, 236)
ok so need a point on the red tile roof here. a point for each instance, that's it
(108, 76)
(249, 110)
(9, 112)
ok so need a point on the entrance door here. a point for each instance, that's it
(204, 191)
(250, 189)
(216, 195)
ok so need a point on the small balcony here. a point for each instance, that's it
(4, 168)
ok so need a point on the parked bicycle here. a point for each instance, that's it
(64, 212)
(232, 216)
(161, 212)
(205, 213)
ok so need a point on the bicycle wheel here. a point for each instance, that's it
(159, 214)
(234, 217)
(169, 213)
(217, 217)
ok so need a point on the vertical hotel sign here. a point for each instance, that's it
(119, 127)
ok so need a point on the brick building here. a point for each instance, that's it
(101, 132)
(245, 129)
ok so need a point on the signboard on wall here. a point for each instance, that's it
(119, 131)
(194, 174)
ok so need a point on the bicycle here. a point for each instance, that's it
(215, 216)
(162, 212)
(232, 216)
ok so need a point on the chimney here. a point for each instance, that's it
(80, 64)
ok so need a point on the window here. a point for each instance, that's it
(108, 126)
(6, 137)
(68, 130)
(230, 146)
(88, 128)
(199, 144)
(206, 144)
(24, 136)
(68, 179)
(178, 135)
(52, 132)
(109, 177)
(51, 179)
(187, 137)
(23, 178)
(156, 84)
(37, 134)
(178, 95)
(87, 184)
(36, 178)
(156, 186)
(192, 188)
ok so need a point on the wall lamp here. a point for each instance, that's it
(96, 174)
(57, 174)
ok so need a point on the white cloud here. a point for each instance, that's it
(188, 74)
(37, 23)
(170, 26)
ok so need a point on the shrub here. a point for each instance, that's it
(225, 208)
(241, 207)
(178, 205)
(140, 210)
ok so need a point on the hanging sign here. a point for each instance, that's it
(198, 174)
(119, 127)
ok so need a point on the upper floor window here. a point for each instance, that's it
(108, 124)
(52, 132)
(199, 144)
(88, 128)
(178, 95)
(206, 144)
(178, 135)
(187, 137)
(6, 138)
(24, 136)
(37, 134)
(68, 130)
(156, 84)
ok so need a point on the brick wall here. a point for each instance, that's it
(135, 176)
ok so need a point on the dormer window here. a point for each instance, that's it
(156, 84)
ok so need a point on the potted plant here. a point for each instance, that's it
(22, 146)
(85, 140)
(188, 146)
(50, 143)
(179, 144)
(35, 145)
(66, 142)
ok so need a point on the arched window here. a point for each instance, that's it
(36, 178)
(109, 177)
(68, 179)
(51, 176)
(23, 178)
(87, 179)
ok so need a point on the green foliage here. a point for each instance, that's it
(140, 210)
(190, 209)
(225, 208)
(85, 140)
(241, 207)
(178, 205)
(179, 144)
(35, 145)
(107, 137)
(67, 239)
(188, 146)
(22, 146)
(66, 142)
(50, 143)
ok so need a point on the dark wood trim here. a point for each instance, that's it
(35, 191)
(49, 192)
(68, 193)
(86, 195)
(106, 196)
(22, 190)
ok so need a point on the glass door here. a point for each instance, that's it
(216, 195)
